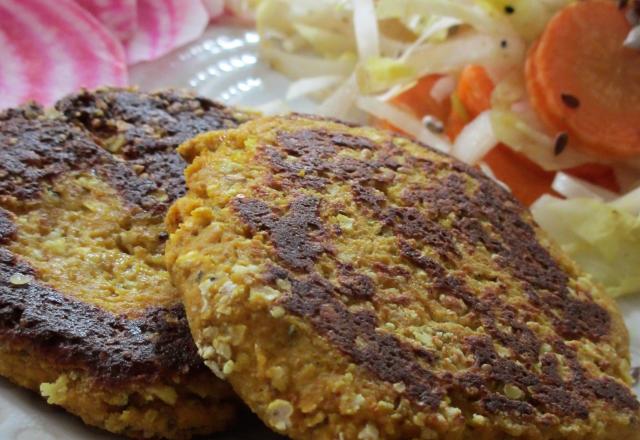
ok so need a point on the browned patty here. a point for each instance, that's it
(353, 284)
(115, 149)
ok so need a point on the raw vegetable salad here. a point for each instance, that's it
(543, 95)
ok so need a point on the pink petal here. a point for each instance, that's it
(214, 7)
(49, 49)
(119, 16)
(164, 25)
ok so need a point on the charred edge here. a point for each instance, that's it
(7, 227)
(113, 349)
(442, 283)
(295, 235)
(166, 170)
(369, 197)
(410, 223)
(545, 391)
(305, 116)
(549, 389)
(148, 128)
(356, 335)
(545, 283)
(517, 248)
(314, 154)
(306, 157)
(147, 122)
(36, 150)
(521, 340)
(356, 285)
(497, 403)
(316, 299)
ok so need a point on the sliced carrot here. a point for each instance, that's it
(525, 178)
(528, 181)
(418, 100)
(381, 123)
(474, 89)
(582, 80)
(471, 97)
(598, 174)
(456, 120)
(536, 93)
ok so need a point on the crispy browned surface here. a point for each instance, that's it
(83, 290)
(146, 129)
(353, 284)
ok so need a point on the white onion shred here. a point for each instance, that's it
(628, 202)
(439, 25)
(464, 10)
(365, 24)
(404, 121)
(337, 105)
(475, 140)
(633, 39)
(298, 66)
(443, 88)
(308, 86)
(456, 52)
(572, 187)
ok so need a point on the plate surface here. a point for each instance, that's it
(223, 64)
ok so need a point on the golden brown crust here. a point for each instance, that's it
(82, 286)
(350, 283)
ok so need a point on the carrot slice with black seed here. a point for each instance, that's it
(583, 81)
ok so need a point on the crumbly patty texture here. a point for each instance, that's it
(88, 315)
(353, 284)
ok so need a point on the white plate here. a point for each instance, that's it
(223, 64)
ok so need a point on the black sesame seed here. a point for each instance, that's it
(570, 100)
(562, 139)
(503, 43)
(622, 4)
(433, 124)
(509, 9)
(163, 235)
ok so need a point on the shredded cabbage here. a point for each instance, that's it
(528, 18)
(573, 188)
(354, 56)
(603, 240)
(299, 66)
(629, 202)
(475, 140)
(365, 25)
(311, 85)
(467, 11)
(378, 74)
